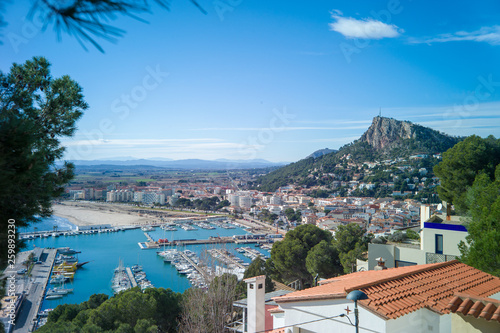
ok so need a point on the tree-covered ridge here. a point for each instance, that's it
(312, 171)
(132, 311)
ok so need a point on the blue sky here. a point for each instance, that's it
(273, 79)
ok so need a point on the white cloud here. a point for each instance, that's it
(490, 35)
(364, 29)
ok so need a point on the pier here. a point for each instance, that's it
(227, 259)
(150, 239)
(200, 270)
(213, 240)
(131, 277)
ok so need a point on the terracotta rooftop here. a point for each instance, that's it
(486, 308)
(395, 292)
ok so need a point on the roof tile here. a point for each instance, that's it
(475, 306)
(395, 292)
(488, 311)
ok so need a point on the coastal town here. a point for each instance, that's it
(285, 208)
(249, 166)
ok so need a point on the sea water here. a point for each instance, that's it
(104, 250)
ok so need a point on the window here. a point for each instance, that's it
(260, 285)
(251, 285)
(439, 244)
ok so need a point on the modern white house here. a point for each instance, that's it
(421, 298)
(438, 243)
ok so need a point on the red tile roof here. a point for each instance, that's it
(482, 307)
(395, 292)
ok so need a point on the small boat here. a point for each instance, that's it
(45, 312)
(67, 250)
(147, 228)
(136, 268)
(120, 281)
(59, 291)
(65, 267)
(56, 296)
(58, 279)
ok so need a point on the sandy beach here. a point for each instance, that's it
(86, 213)
(84, 216)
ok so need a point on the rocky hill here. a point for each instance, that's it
(385, 139)
(388, 135)
(387, 132)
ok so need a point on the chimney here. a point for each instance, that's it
(256, 304)
(380, 264)
(425, 214)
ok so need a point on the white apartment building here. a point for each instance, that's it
(245, 202)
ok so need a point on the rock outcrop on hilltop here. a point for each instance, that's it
(384, 133)
(393, 137)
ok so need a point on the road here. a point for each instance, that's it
(33, 286)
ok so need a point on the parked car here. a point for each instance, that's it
(22, 271)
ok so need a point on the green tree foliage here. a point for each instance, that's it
(222, 204)
(348, 260)
(206, 204)
(267, 216)
(154, 310)
(397, 237)
(481, 249)
(347, 236)
(289, 256)
(351, 243)
(410, 234)
(462, 163)
(257, 267)
(323, 259)
(36, 111)
(318, 193)
(292, 215)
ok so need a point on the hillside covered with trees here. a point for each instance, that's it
(386, 139)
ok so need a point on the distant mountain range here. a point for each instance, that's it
(220, 164)
(386, 138)
(322, 152)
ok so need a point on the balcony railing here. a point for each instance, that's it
(432, 258)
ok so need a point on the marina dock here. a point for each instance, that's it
(131, 277)
(149, 237)
(213, 240)
(227, 259)
(200, 270)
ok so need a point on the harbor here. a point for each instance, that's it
(104, 249)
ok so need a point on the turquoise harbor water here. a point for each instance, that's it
(103, 250)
